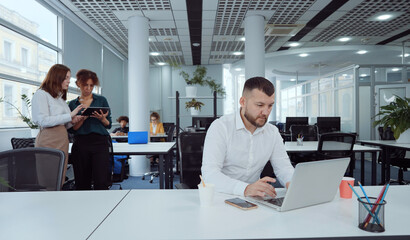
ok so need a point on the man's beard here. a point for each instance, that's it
(253, 120)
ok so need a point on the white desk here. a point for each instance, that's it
(386, 145)
(176, 214)
(157, 148)
(311, 146)
(54, 215)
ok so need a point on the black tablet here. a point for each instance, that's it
(90, 110)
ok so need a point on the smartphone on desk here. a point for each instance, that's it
(240, 203)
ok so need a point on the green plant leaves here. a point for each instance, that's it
(195, 104)
(396, 115)
(199, 78)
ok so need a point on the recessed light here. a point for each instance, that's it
(292, 79)
(242, 39)
(395, 69)
(161, 63)
(237, 53)
(238, 69)
(384, 17)
(361, 52)
(294, 44)
(303, 55)
(344, 39)
(154, 53)
(344, 75)
(363, 75)
(405, 55)
(196, 44)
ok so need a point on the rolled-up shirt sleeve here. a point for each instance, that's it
(213, 159)
(41, 111)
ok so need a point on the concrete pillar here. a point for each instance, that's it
(138, 88)
(254, 46)
(166, 79)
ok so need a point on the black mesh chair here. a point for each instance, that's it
(32, 169)
(309, 132)
(170, 136)
(191, 147)
(335, 145)
(397, 156)
(116, 178)
(17, 143)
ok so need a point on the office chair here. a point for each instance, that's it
(397, 156)
(116, 177)
(309, 132)
(32, 169)
(170, 137)
(17, 143)
(191, 147)
(335, 145)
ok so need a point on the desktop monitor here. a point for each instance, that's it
(295, 121)
(202, 123)
(328, 124)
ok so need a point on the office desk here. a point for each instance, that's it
(311, 146)
(54, 215)
(176, 214)
(386, 146)
(157, 148)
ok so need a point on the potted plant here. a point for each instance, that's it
(194, 105)
(199, 78)
(396, 115)
(26, 118)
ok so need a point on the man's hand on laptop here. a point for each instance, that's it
(261, 188)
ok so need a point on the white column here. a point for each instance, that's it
(138, 88)
(166, 79)
(254, 46)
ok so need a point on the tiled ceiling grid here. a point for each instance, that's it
(355, 23)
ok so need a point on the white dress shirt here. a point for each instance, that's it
(233, 157)
(48, 111)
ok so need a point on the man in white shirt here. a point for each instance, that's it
(238, 146)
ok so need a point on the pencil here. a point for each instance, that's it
(369, 216)
(364, 192)
(381, 200)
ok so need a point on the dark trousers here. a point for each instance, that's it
(91, 162)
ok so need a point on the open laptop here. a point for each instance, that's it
(312, 183)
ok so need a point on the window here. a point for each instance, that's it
(8, 97)
(7, 49)
(24, 108)
(24, 57)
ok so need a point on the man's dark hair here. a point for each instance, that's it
(125, 118)
(259, 83)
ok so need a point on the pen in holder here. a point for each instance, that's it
(299, 140)
(371, 214)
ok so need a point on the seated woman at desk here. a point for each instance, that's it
(123, 129)
(155, 127)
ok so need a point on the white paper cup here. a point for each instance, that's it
(206, 194)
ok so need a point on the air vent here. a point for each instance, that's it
(282, 29)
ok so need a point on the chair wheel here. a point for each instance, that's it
(150, 181)
(143, 178)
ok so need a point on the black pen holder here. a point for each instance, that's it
(371, 215)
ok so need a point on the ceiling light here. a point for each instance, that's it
(384, 17)
(344, 75)
(154, 53)
(363, 75)
(294, 44)
(344, 39)
(361, 52)
(395, 69)
(238, 69)
(292, 79)
(237, 53)
(161, 63)
(405, 55)
(196, 44)
(303, 55)
(242, 39)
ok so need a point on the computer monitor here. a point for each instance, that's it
(202, 123)
(328, 124)
(295, 121)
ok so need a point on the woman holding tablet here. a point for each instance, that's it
(51, 112)
(91, 157)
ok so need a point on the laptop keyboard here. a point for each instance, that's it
(275, 201)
